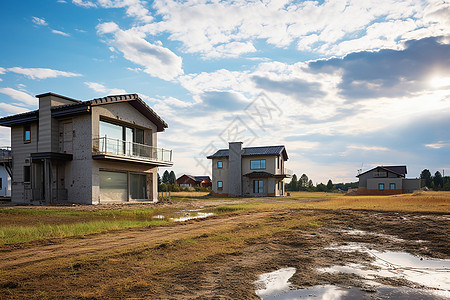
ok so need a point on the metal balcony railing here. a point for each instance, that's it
(105, 145)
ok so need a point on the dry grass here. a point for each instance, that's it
(187, 194)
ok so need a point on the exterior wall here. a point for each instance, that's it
(271, 164)
(411, 185)
(126, 114)
(220, 175)
(364, 177)
(235, 169)
(5, 189)
(372, 183)
(186, 181)
(21, 191)
(364, 191)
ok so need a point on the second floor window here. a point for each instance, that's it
(27, 133)
(257, 164)
(219, 165)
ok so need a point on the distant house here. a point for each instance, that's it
(5, 172)
(250, 171)
(386, 180)
(194, 181)
(90, 152)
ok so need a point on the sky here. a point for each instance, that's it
(344, 85)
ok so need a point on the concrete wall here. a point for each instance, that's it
(5, 189)
(372, 183)
(410, 185)
(220, 175)
(21, 191)
(364, 177)
(235, 169)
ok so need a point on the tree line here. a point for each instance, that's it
(168, 182)
(436, 182)
(305, 184)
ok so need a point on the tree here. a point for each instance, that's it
(172, 178)
(426, 176)
(321, 187)
(165, 178)
(294, 184)
(310, 186)
(329, 186)
(303, 182)
(438, 181)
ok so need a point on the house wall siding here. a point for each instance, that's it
(220, 175)
(271, 166)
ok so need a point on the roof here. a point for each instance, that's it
(399, 170)
(261, 174)
(79, 107)
(254, 151)
(195, 178)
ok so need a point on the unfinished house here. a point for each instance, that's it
(90, 152)
(250, 171)
(386, 180)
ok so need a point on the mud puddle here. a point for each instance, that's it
(191, 214)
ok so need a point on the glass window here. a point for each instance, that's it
(258, 186)
(258, 164)
(392, 186)
(27, 133)
(1, 183)
(26, 173)
(138, 186)
(113, 186)
(219, 165)
(381, 186)
(219, 184)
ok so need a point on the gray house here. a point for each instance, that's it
(250, 171)
(94, 151)
(386, 180)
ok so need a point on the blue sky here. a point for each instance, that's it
(344, 85)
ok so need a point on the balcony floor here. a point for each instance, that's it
(132, 159)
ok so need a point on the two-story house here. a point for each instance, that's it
(386, 180)
(250, 171)
(94, 151)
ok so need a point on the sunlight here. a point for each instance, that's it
(439, 82)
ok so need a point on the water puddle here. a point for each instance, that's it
(362, 232)
(276, 285)
(191, 214)
(159, 217)
(432, 273)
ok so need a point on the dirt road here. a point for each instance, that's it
(217, 257)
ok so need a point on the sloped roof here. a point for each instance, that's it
(79, 107)
(399, 170)
(254, 151)
(195, 178)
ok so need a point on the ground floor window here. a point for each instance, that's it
(381, 186)
(219, 184)
(121, 186)
(392, 186)
(258, 186)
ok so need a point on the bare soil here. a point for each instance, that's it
(125, 264)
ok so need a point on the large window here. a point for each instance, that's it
(381, 186)
(138, 186)
(258, 164)
(258, 186)
(392, 186)
(113, 186)
(119, 139)
(27, 133)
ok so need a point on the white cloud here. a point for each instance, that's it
(82, 3)
(60, 32)
(41, 73)
(156, 60)
(39, 21)
(438, 145)
(13, 109)
(19, 95)
(367, 148)
(100, 88)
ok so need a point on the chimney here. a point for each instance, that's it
(235, 169)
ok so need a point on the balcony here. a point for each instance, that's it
(108, 148)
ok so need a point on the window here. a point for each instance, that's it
(258, 186)
(1, 183)
(392, 186)
(26, 174)
(219, 165)
(138, 186)
(113, 186)
(119, 139)
(219, 184)
(258, 164)
(27, 133)
(381, 186)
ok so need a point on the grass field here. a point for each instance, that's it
(28, 224)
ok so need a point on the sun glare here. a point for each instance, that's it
(440, 82)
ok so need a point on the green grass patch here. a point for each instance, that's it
(19, 234)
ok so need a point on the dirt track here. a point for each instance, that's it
(117, 265)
